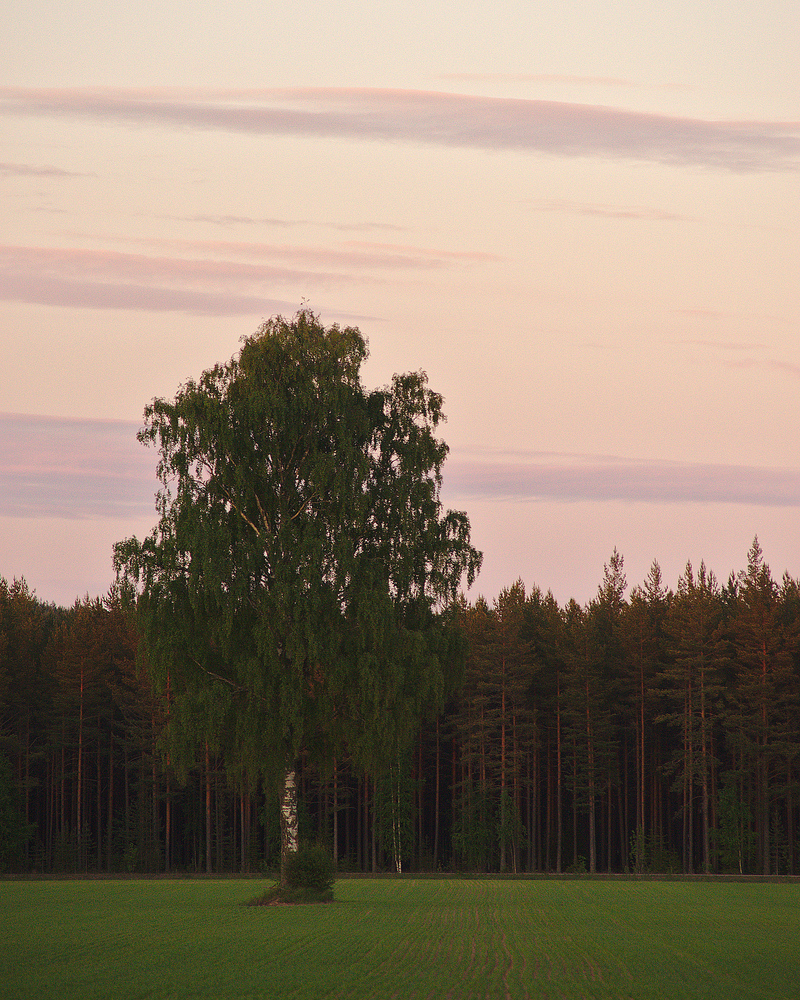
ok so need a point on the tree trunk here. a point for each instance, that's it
(289, 831)
(436, 807)
(208, 812)
(110, 820)
(335, 812)
(590, 752)
(168, 825)
(558, 774)
(99, 803)
(79, 794)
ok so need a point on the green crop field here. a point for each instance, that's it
(449, 938)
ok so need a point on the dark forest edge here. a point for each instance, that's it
(657, 732)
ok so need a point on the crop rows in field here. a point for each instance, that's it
(408, 938)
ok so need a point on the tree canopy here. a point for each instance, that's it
(292, 593)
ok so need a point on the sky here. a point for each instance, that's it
(581, 219)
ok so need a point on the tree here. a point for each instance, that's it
(646, 648)
(760, 719)
(693, 683)
(293, 589)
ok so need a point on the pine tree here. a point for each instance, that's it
(759, 715)
(692, 684)
(645, 641)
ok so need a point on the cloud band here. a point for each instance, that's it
(53, 467)
(444, 119)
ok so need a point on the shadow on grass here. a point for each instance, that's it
(289, 896)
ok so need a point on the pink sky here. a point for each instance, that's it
(582, 221)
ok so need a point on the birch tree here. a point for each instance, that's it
(290, 588)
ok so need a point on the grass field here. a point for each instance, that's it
(411, 938)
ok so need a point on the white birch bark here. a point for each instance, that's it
(289, 832)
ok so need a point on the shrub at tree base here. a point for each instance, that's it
(310, 876)
(310, 868)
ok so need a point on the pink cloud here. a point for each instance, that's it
(607, 81)
(110, 279)
(246, 220)
(349, 254)
(54, 291)
(607, 211)
(427, 254)
(56, 467)
(766, 364)
(76, 262)
(559, 129)
(569, 478)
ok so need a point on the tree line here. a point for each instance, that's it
(654, 730)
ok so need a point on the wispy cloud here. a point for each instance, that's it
(729, 353)
(106, 280)
(720, 345)
(606, 81)
(348, 254)
(606, 211)
(26, 170)
(455, 120)
(561, 78)
(109, 279)
(598, 478)
(55, 467)
(50, 291)
(246, 220)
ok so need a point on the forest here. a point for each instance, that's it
(650, 730)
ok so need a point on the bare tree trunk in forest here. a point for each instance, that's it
(763, 766)
(640, 801)
(110, 819)
(127, 789)
(421, 809)
(548, 808)
(574, 801)
(168, 801)
(27, 779)
(790, 817)
(558, 774)
(99, 803)
(335, 812)
(370, 858)
(168, 826)
(361, 827)
(79, 799)
(243, 831)
(208, 812)
(688, 775)
(289, 828)
(454, 801)
(51, 806)
(529, 807)
(156, 824)
(503, 795)
(590, 758)
(374, 836)
(436, 805)
(62, 790)
(218, 824)
(394, 798)
(536, 810)
(704, 755)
